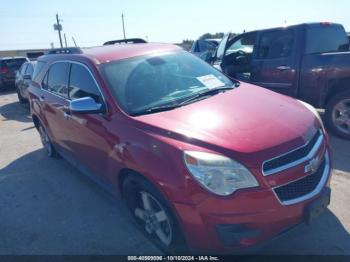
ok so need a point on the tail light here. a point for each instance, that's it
(4, 70)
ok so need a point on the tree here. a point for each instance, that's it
(209, 35)
(187, 44)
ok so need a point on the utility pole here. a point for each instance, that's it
(123, 26)
(58, 27)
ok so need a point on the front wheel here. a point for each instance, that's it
(338, 114)
(152, 214)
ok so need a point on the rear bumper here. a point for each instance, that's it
(245, 220)
(4, 81)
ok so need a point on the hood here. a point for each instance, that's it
(248, 119)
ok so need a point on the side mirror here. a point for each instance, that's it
(86, 105)
(27, 77)
(242, 60)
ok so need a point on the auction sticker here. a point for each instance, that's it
(210, 81)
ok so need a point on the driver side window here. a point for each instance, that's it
(82, 84)
(244, 45)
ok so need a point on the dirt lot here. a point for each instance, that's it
(48, 207)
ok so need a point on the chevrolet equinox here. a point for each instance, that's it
(201, 160)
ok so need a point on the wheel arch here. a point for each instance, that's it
(336, 87)
(126, 172)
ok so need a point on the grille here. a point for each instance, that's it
(302, 186)
(293, 156)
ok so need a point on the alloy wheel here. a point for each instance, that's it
(154, 217)
(341, 116)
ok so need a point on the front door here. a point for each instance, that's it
(237, 59)
(88, 134)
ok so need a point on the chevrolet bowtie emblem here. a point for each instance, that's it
(313, 165)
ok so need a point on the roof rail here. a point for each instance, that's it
(126, 41)
(68, 50)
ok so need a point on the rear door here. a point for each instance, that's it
(55, 103)
(275, 61)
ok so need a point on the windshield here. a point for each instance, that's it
(163, 80)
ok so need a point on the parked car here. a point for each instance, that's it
(204, 48)
(8, 68)
(200, 160)
(310, 62)
(23, 78)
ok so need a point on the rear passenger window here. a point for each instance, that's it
(276, 44)
(82, 84)
(58, 79)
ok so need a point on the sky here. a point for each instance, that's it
(26, 24)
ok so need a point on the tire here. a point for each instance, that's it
(337, 115)
(152, 215)
(21, 99)
(46, 141)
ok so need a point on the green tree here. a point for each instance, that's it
(187, 44)
(209, 35)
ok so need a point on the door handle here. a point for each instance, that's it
(41, 98)
(67, 115)
(283, 68)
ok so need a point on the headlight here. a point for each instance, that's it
(217, 173)
(314, 111)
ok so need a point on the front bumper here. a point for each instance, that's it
(247, 218)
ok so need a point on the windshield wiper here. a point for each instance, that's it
(156, 109)
(206, 93)
(192, 99)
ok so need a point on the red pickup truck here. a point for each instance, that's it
(310, 62)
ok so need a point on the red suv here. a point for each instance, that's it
(201, 160)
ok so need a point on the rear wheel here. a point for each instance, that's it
(152, 214)
(21, 99)
(47, 144)
(338, 114)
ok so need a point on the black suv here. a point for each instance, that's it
(8, 68)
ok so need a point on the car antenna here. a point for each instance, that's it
(74, 41)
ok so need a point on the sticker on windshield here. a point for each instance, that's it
(210, 81)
